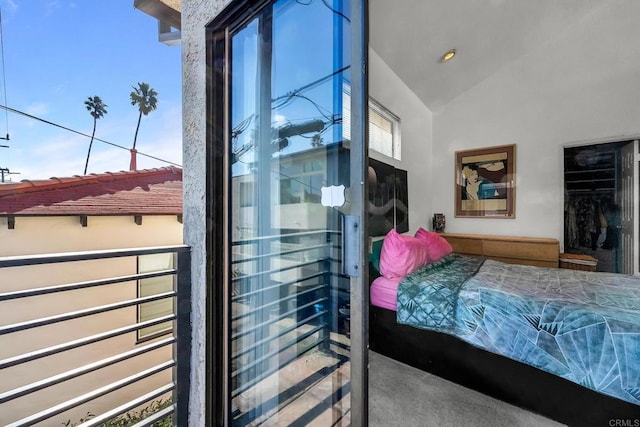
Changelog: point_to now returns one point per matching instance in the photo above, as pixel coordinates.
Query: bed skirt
(496, 376)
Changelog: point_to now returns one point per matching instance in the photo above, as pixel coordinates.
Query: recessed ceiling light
(449, 55)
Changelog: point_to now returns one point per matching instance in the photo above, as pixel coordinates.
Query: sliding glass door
(294, 305)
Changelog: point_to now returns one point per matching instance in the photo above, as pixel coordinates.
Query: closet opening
(600, 183)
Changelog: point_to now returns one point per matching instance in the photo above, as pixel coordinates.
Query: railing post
(182, 332)
(329, 308)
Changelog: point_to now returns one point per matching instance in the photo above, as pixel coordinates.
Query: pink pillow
(401, 255)
(436, 245)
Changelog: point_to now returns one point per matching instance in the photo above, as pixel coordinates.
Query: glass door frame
(218, 186)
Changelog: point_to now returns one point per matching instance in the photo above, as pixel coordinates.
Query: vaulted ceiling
(412, 35)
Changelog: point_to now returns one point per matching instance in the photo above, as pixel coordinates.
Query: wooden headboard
(540, 252)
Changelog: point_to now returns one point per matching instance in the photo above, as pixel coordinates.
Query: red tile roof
(142, 192)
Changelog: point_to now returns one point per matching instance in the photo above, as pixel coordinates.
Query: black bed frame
(496, 376)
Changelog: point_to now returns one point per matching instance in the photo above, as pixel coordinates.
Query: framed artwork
(388, 199)
(485, 182)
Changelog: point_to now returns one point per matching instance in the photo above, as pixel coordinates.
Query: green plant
(82, 420)
(133, 417)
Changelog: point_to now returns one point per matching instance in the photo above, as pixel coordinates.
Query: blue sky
(57, 53)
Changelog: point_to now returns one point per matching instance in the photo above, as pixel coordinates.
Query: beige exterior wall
(37, 235)
(40, 235)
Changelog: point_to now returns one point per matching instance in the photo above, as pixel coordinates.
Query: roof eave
(167, 12)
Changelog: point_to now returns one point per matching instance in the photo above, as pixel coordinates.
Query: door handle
(351, 245)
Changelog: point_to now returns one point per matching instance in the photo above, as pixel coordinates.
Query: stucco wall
(42, 235)
(581, 87)
(195, 16)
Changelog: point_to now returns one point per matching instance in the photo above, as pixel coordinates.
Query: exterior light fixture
(449, 55)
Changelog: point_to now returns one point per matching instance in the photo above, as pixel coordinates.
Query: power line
(337, 12)
(13, 110)
(6, 171)
(308, 86)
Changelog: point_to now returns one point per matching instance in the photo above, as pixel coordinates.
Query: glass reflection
(290, 302)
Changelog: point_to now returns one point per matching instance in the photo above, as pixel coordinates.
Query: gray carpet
(400, 395)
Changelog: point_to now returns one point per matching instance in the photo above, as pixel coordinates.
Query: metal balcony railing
(71, 352)
(70, 348)
(286, 292)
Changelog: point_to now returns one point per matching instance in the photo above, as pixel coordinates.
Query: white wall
(416, 138)
(584, 86)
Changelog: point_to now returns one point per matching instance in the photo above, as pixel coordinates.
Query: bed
(571, 352)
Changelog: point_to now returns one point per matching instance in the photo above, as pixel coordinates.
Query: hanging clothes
(586, 224)
(570, 226)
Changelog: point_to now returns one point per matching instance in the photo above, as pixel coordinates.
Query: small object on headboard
(439, 222)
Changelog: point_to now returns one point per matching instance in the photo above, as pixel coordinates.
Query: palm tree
(146, 98)
(97, 108)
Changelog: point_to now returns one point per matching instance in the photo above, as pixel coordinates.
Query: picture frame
(485, 182)
(388, 199)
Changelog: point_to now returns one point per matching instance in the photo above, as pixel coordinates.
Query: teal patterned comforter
(579, 325)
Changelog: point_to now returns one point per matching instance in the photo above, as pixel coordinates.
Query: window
(153, 286)
(384, 127)
(246, 194)
(303, 182)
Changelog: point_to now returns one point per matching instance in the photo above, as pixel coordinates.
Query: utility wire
(284, 100)
(13, 110)
(328, 6)
(308, 86)
(337, 12)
